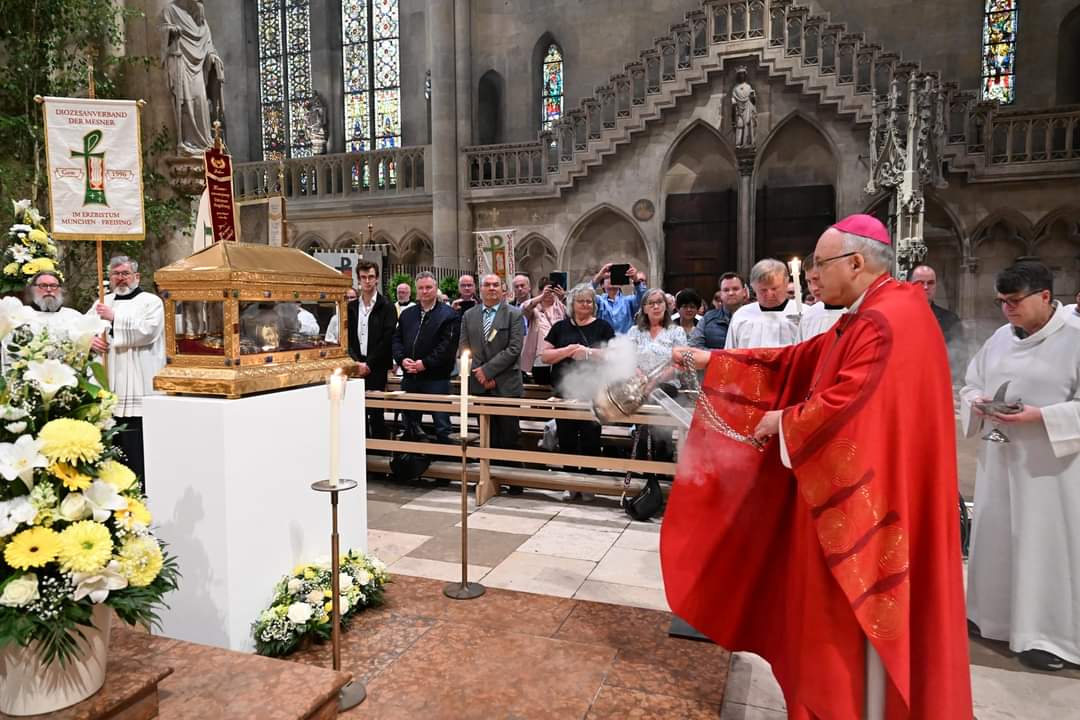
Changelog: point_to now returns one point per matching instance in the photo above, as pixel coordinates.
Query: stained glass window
(372, 74)
(999, 51)
(551, 87)
(284, 76)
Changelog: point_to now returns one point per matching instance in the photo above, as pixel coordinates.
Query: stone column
(745, 226)
(463, 77)
(969, 288)
(444, 146)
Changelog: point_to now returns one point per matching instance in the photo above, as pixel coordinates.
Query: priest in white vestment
(1024, 566)
(45, 296)
(136, 351)
(819, 317)
(769, 322)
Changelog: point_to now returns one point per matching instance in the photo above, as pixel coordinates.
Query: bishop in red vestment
(813, 518)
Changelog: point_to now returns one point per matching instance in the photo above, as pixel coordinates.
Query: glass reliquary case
(243, 318)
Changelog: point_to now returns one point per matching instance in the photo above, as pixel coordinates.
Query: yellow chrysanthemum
(72, 478)
(85, 546)
(134, 514)
(70, 441)
(140, 561)
(44, 263)
(38, 235)
(116, 474)
(11, 268)
(32, 548)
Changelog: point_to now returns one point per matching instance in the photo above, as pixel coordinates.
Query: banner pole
(91, 92)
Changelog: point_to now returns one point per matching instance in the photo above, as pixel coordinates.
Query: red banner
(219, 185)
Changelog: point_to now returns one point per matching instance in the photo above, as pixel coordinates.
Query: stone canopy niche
(604, 235)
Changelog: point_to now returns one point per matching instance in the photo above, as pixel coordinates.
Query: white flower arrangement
(29, 249)
(301, 605)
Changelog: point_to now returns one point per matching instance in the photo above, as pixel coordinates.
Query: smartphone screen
(558, 278)
(618, 274)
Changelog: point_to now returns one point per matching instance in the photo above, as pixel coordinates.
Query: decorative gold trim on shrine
(234, 274)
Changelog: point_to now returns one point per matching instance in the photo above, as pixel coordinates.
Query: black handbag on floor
(405, 466)
(650, 501)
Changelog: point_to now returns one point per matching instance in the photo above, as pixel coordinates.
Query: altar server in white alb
(819, 317)
(135, 345)
(1024, 566)
(769, 321)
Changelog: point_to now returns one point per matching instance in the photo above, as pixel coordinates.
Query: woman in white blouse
(653, 333)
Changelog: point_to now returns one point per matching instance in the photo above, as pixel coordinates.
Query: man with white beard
(136, 351)
(45, 294)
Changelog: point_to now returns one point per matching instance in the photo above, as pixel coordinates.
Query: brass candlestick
(354, 692)
(464, 590)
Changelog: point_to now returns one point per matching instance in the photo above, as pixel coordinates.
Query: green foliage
(46, 47)
(448, 285)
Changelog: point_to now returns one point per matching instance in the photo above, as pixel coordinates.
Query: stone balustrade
(1034, 136)
(377, 173)
(505, 165)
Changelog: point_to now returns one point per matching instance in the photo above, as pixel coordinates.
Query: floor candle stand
(464, 590)
(354, 692)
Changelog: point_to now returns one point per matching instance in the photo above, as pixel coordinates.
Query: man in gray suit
(494, 334)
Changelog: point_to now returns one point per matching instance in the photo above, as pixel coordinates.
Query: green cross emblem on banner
(95, 168)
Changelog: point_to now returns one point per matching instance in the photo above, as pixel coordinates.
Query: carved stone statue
(743, 110)
(195, 74)
(315, 123)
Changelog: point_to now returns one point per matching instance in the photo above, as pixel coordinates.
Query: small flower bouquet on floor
(74, 527)
(28, 249)
(301, 606)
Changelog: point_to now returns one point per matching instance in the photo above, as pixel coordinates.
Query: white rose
(363, 576)
(15, 427)
(299, 613)
(294, 585)
(315, 597)
(344, 581)
(21, 591)
(74, 507)
(344, 604)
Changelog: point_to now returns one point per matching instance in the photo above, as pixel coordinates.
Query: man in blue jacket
(612, 305)
(425, 343)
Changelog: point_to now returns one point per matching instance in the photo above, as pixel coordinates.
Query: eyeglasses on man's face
(818, 263)
(1013, 302)
(121, 273)
(47, 287)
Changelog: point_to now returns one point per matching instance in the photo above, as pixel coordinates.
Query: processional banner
(93, 154)
(495, 253)
(220, 191)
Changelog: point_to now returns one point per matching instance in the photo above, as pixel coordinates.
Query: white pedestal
(229, 483)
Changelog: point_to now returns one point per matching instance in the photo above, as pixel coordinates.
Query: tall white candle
(466, 365)
(337, 391)
(795, 265)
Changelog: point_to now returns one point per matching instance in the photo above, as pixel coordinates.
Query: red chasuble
(860, 540)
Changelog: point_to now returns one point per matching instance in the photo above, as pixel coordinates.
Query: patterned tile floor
(591, 551)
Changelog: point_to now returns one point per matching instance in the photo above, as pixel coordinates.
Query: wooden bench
(489, 473)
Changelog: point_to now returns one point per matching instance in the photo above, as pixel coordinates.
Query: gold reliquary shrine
(241, 319)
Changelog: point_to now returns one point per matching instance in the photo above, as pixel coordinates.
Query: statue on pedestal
(195, 74)
(315, 123)
(743, 110)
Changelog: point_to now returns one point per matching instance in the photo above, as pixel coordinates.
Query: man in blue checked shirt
(612, 305)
